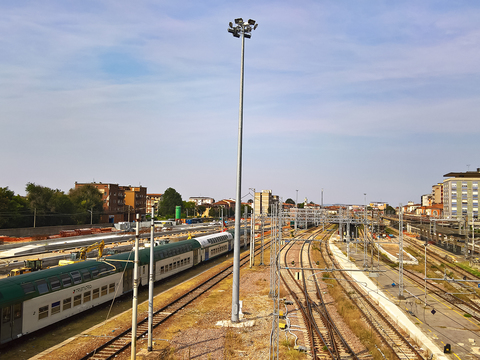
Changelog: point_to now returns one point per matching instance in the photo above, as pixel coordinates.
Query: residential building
(113, 198)
(135, 201)
(460, 194)
(263, 200)
(153, 199)
(426, 200)
(437, 193)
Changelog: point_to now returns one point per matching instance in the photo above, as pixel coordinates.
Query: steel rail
(161, 315)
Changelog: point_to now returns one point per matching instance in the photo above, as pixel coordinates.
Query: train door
(195, 257)
(206, 254)
(11, 322)
(128, 280)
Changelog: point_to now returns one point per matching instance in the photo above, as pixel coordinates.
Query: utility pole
(252, 234)
(133, 354)
(150, 282)
(34, 216)
(400, 253)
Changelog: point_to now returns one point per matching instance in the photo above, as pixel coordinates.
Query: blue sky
(354, 97)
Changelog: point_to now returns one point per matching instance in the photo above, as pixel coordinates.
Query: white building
(460, 194)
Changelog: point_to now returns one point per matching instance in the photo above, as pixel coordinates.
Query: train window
(96, 293)
(67, 304)
(181, 262)
(43, 312)
(66, 280)
(162, 255)
(111, 288)
(86, 296)
(28, 288)
(161, 270)
(77, 279)
(54, 283)
(94, 272)
(104, 290)
(6, 314)
(77, 300)
(56, 307)
(86, 274)
(42, 286)
(103, 270)
(17, 311)
(170, 267)
(175, 265)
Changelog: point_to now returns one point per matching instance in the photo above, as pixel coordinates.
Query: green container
(178, 211)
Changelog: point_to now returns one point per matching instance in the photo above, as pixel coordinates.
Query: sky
(353, 97)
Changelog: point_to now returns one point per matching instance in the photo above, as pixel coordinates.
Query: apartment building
(263, 200)
(135, 201)
(437, 193)
(460, 194)
(153, 199)
(113, 198)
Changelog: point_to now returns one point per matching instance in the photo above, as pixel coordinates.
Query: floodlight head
(251, 22)
(239, 21)
(230, 24)
(256, 25)
(236, 34)
(231, 31)
(248, 36)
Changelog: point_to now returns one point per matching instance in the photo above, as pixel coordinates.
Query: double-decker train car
(32, 301)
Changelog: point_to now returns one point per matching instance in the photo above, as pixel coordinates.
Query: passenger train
(32, 301)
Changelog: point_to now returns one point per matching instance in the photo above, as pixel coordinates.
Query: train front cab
(11, 323)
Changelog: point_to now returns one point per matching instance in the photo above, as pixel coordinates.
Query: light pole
(91, 215)
(241, 29)
(426, 244)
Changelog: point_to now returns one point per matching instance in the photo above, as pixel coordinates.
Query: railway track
(465, 305)
(122, 341)
(324, 338)
(385, 329)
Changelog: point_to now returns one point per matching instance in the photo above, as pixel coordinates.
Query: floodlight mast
(242, 29)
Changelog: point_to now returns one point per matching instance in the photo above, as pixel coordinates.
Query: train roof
(212, 239)
(13, 289)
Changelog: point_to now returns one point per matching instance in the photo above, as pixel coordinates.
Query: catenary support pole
(135, 296)
(150, 282)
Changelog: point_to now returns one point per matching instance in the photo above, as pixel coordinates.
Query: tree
(300, 205)
(52, 207)
(390, 210)
(289, 201)
(85, 199)
(14, 210)
(188, 207)
(201, 210)
(171, 199)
